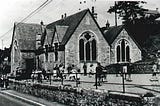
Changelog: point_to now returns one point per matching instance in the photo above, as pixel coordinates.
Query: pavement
(140, 84)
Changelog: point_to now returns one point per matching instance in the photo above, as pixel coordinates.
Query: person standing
(57, 70)
(98, 74)
(90, 70)
(154, 68)
(125, 71)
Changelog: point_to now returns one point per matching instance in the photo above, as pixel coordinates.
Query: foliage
(129, 11)
(4, 61)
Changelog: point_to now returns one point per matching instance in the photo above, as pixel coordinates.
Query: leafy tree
(4, 67)
(129, 11)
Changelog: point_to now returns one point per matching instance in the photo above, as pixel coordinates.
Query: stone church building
(73, 40)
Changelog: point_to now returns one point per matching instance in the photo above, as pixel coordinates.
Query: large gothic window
(87, 47)
(123, 51)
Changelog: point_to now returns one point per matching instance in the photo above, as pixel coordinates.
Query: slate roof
(71, 21)
(112, 33)
(26, 35)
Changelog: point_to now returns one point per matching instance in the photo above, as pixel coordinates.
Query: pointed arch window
(94, 49)
(88, 51)
(123, 51)
(87, 47)
(81, 48)
(127, 54)
(118, 53)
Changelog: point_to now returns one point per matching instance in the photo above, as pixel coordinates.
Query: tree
(4, 60)
(129, 11)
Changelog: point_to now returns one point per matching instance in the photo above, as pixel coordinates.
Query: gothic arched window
(127, 54)
(118, 53)
(94, 49)
(81, 48)
(87, 47)
(88, 51)
(123, 51)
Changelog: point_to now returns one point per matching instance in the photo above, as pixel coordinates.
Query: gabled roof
(60, 31)
(71, 21)
(47, 38)
(26, 35)
(112, 33)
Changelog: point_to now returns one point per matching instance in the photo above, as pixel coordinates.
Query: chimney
(156, 9)
(42, 26)
(41, 22)
(107, 24)
(92, 9)
(65, 15)
(62, 16)
(93, 13)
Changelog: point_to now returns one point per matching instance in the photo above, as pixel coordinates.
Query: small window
(123, 49)
(81, 48)
(118, 53)
(127, 54)
(94, 49)
(88, 51)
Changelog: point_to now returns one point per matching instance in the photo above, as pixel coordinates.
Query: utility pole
(115, 3)
(2, 44)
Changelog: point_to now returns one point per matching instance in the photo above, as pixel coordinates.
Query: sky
(15, 10)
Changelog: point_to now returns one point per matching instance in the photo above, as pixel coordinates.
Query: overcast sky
(15, 10)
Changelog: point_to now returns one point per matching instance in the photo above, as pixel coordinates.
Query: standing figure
(57, 70)
(98, 73)
(85, 69)
(125, 72)
(130, 68)
(90, 70)
(154, 69)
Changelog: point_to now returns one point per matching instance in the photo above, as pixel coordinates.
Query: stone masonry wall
(51, 63)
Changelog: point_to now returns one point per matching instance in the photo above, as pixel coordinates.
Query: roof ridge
(67, 17)
(16, 23)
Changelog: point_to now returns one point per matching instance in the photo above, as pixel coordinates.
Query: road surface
(9, 101)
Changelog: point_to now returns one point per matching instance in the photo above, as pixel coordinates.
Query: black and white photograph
(79, 53)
